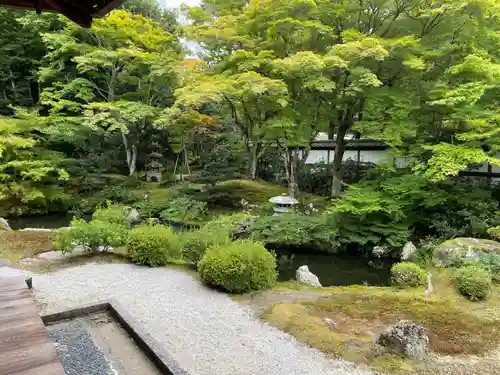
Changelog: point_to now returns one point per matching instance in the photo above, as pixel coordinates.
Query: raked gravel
(205, 331)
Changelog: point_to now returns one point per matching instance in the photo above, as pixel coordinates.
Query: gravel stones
(205, 331)
(77, 351)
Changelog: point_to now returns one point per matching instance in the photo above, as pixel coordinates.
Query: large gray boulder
(409, 249)
(465, 249)
(133, 215)
(304, 276)
(4, 225)
(406, 338)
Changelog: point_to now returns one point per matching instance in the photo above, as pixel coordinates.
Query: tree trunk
(286, 160)
(133, 162)
(253, 163)
(131, 153)
(186, 160)
(293, 187)
(338, 155)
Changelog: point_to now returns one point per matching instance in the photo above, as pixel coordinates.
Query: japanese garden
(326, 169)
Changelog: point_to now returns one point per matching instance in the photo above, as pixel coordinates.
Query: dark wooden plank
(25, 346)
(24, 359)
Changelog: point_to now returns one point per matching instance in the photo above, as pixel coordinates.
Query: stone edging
(150, 347)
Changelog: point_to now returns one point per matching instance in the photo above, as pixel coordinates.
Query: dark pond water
(335, 270)
(45, 221)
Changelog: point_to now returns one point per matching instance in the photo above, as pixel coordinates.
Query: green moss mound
(474, 282)
(407, 275)
(463, 249)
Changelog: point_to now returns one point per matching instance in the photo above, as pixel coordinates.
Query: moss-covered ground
(17, 245)
(345, 322)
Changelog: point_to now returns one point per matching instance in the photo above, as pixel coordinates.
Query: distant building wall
(365, 156)
(374, 152)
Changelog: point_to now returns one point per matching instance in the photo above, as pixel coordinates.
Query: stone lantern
(283, 203)
(154, 167)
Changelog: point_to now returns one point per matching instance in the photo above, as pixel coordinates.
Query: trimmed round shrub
(239, 267)
(473, 282)
(196, 243)
(193, 246)
(154, 245)
(407, 275)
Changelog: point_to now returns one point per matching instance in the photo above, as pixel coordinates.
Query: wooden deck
(25, 346)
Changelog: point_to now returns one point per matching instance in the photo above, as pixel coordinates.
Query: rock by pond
(335, 269)
(463, 249)
(304, 276)
(409, 249)
(4, 225)
(380, 251)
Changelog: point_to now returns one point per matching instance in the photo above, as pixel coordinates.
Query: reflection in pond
(335, 269)
(46, 221)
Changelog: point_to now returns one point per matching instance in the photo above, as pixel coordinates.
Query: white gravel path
(204, 330)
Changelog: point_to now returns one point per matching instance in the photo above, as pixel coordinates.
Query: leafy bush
(407, 275)
(239, 267)
(222, 162)
(495, 232)
(491, 261)
(216, 232)
(227, 225)
(392, 207)
(184, 209)
(154, 245)
(113, 213)
(474, 282)
(195, 243)
(94, 236)
(295, 230)
(426, 249)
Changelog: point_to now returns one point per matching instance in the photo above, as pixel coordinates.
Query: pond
(335, 269)
(43, 221)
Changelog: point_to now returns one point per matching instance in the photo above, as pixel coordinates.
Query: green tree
(116, 73)
(21, 49)
(253, 101)
(392, 69)
(27, 166)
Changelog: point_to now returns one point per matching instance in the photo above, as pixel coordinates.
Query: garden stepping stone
(30, 261)
(51, 255)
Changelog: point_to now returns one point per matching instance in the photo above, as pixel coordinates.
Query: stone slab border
(150, 347)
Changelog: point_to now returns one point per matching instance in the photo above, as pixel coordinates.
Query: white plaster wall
(317, 156)
(375, 157)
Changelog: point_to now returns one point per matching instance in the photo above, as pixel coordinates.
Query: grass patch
(230, 193)
(348, 321)
(17, 245)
